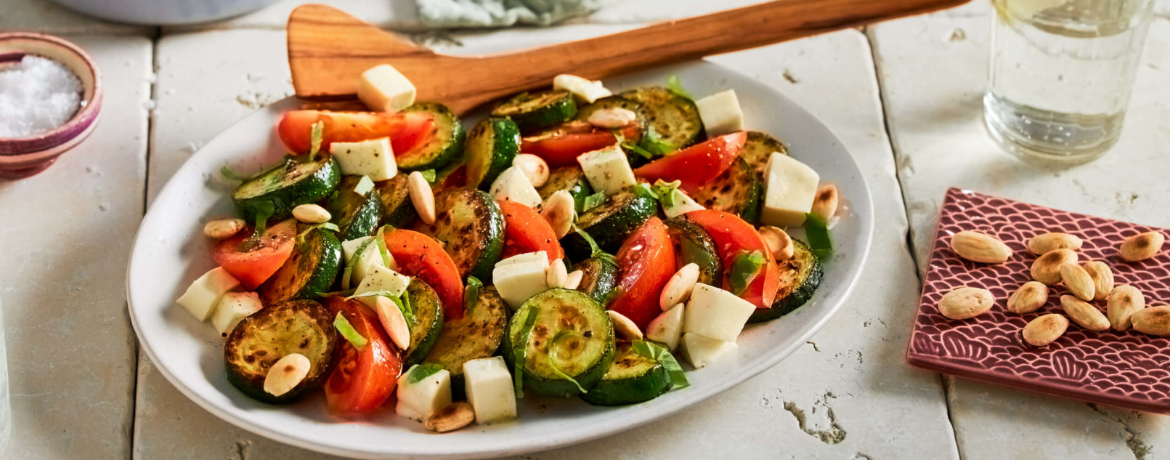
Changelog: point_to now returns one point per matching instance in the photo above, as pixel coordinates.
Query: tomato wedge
(420, 255)
(695, 165)
(733, 237)
(405, 129)
(254, 263)
(647, 261)
(528, 232)
(562, 146)
(363, 379)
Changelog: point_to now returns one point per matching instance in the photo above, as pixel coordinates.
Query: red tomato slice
(695, 165)
(363, 379)
(528, 232)
(562, 146)
(254, 264)
(454, 179)
(733, 237)
(420, 255)
(406, 130)
(647, 261)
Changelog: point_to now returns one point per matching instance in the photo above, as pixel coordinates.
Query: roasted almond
(965, 303)
(1124, 301)
(624, 327)
(286, 373)
(1083, 313)
(980, 247)
(1045, 329)
(223, 229)
(1153, 320)
(311, 214)
(450, 418)
(1028, 298)
(825, 202)
(1142, 247)
(1048, 242)
(1102, 278)
(778, 242)
(1078, 281)
(1046, 268)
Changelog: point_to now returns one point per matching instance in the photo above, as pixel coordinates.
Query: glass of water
(1061, 74)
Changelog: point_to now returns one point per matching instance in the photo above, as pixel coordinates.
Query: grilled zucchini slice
(599, 278)
(428, 320)
(534, 111)
(308, 272)
(478, 334)
(692, 244)
(470, 225)
(397, 209)
(443, 144)
(737, 190)
(354, 214)
(571, 338)
(610, 223)
(631, 379)
(674, 118)
(281, 188)
(490, 149)
(799, 278)
(278, 330)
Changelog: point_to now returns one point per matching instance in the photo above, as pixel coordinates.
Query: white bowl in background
(164, 12)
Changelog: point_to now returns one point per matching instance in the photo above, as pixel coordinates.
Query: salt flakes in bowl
(37, 95)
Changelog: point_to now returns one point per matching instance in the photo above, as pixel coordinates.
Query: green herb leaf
(429, 175)
(385, 253)
(820, 239)
(228, 173)
(346, 330)
(653, 143)
(471, 293)
(364, 186)
(643, 190)
(552, 347)
(347, 277)
(666, 191)
(520, 351)
(265, 209)
(657, 352)
(593, 201)
(642, 152)
(744, 269)
(403, 304)
(315, 137)
(421, 372)
(674, 84)
(596, 251)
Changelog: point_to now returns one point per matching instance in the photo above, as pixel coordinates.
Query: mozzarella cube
(373, 158)
(516, 281)
(790, 187)
(720, 113)
(205, 293)
(607, 169)
(420, 399)
(384, 88)
(682, 205)
(715, 313)
(585, 89)
(521, 258)
(489, 389)
(701, 351)
(233, 308)
(513, 185)
(381, 279)
(667, 327)
(369, 258)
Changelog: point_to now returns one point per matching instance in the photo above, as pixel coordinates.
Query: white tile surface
(65, 238)
(44, 16)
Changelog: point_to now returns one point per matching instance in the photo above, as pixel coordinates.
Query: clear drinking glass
(1061, 74)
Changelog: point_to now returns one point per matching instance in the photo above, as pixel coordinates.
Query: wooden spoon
(328, 49)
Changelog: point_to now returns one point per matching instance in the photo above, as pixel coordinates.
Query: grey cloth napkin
(502, 13)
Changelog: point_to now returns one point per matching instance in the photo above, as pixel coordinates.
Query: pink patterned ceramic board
(1125, 369)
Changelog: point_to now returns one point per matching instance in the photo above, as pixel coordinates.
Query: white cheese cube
(701, 351)
(384, 88)
(420, 399)
(715, 313)
(373, 158)
(489, 389)
(521, 258)
(607, 169)
(720, 113)
(517, 281)
(682, 205)
(790, 187)
(667, 327)
(205, 293)
(369, 258)
(381, 279)
(513, 185)
(585, 89)
(233, 308)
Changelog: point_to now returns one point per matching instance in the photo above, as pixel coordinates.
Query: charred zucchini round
(610, 223)
(260, 340)
(799, 278)
(599, 278)
(476, 335)
(428, 320)
(470, 225)
(737, 191)
(308, 272)
(674, 118)
(570, 344)
(443, 144)
(631, 379)
(533, 111)
(692, 244)
(568, 178)
(355, 215)
(276, 191)
(490, 149)
(397, 209)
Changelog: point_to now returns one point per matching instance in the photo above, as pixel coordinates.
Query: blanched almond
(533, 167)
(1124, 301)
(965, 303)
(557, 274)
(1084, 313)
(393, 322)
(421, 196)
(1028, 298)
(1048, 242)
(825, 202)
(1102, 278)
(1046, 268)
(624, 326)
(1045, 329)
(223, 229)
(614, 117)
(286, 373)
(679, 287)
(1141, 247)
(558, 211)
(573, 280)
(450, 418)
(1078, 281)
(1153, 320)
(778, 242)
(980, 247)
(311, 214)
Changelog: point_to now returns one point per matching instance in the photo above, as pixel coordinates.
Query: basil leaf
(638, 149)
(643, 190)
(666, 191)
(265, 210)
(421, 372)
(429, 175)
(520, 351)
(820, 239)
(471, 293)
(385, 253)
(657, 352)
(653, 143)
(594, 248)
(674, 84)
(346, 330)
(593, 201)
(552, 352)
(744, 269)
(403, 304)
(327, 226)
(347, 277)
(364, 186)
(315, 137)
(228, 173)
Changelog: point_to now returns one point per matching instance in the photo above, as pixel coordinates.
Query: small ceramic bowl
(25, 156)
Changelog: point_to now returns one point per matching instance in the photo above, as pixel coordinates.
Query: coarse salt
(36, 95)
